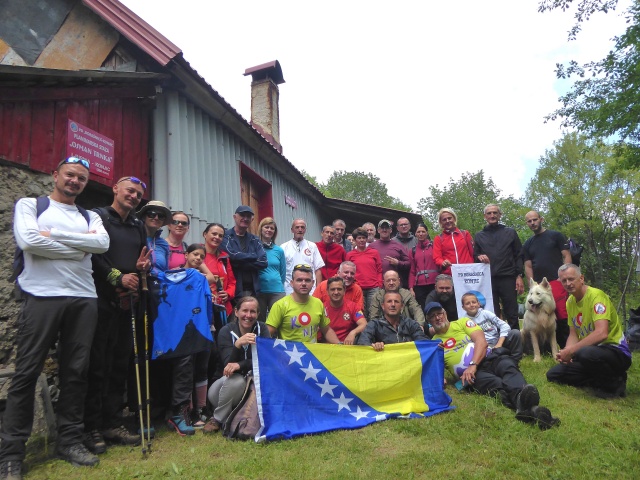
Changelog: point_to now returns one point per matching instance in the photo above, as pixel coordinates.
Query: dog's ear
(532, 283)
(545, 283)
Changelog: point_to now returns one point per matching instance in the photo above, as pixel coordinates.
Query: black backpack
(575, 249)
(42, 203)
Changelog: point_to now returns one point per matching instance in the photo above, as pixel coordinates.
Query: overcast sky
(414, 92)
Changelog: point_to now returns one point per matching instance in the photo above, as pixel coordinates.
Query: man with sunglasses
(116, 277)
(59, 303)
(480, 369)
(299, 316)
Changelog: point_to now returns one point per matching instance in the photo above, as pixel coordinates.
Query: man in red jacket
(332, 254)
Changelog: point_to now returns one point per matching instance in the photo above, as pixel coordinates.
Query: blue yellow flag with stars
(307, 388)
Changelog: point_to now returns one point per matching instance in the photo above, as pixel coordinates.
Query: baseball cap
(432, 306)
(244, 209)
(382, 222)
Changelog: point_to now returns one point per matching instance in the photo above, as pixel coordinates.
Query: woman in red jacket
(423, 272)
(452, 245)
(218, 262)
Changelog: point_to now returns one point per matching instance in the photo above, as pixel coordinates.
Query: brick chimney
(265, 95)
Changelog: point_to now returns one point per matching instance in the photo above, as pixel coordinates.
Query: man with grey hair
(445, 295)
(596, 354)
(391, 283)
(340, 227)
(353, 292)
(299, 251)
(404, 235)
(370, 228)
(500, 247)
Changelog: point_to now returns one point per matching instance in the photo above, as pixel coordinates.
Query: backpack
(42, 203)
(575, 249)
(244, 421)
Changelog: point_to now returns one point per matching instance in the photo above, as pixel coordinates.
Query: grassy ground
(480, 439)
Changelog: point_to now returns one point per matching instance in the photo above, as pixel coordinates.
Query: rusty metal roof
(134, 28)
(272, 70)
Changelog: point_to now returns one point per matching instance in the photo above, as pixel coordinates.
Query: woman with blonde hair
(452, 245)
(272, 278)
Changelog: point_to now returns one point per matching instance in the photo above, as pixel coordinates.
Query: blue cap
(432, 306)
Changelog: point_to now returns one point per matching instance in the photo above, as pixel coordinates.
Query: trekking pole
(136, 362)
(145, 289)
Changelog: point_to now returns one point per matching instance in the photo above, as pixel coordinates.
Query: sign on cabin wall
(94, 147)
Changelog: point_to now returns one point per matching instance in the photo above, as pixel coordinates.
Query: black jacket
(503, 247)
(227, 351)
(379, 330)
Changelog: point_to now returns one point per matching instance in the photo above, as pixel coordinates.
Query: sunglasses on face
(135, 180)
(154, 214)
(72, 160)
(180, 222)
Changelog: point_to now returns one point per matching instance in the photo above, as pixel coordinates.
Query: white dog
(540, 317)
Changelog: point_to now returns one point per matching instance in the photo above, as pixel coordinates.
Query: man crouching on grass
(493, 373)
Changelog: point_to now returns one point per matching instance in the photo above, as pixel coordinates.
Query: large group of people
(94, 280)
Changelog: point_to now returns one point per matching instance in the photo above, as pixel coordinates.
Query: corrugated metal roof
(134, 28)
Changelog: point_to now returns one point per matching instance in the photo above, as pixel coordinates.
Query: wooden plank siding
(34, 134)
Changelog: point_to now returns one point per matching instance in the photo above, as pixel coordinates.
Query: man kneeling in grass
(467, 357)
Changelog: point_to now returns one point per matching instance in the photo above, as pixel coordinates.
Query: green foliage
(361, 187)
(311, 179)
(468, 196)
(584, 10)
(585, 193)
(480, 439)
(605, 100)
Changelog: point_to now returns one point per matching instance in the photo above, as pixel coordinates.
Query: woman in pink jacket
(452, 245)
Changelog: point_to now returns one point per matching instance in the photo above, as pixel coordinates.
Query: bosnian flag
(306, 388)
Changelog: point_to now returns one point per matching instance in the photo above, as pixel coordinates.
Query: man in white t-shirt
(57, 239)
(298, 251)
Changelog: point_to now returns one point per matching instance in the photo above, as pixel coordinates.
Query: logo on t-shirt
(599, 308)
(346, 316)
(304, 319)
(471, 323)
(450, 342)
(307, 252)
(579, 319)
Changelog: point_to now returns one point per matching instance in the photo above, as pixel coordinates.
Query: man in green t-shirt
(299, 316)
(596, 354)
(495, 373)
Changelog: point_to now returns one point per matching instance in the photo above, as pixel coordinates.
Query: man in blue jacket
(245, 251)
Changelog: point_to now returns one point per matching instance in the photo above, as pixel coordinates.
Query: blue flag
(306, 388)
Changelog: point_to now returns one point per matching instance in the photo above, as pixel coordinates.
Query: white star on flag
(360, 414)
(295, 356)
(310, 372)
(381, 417)
(279, 341)
(326, 387)
(343, 402)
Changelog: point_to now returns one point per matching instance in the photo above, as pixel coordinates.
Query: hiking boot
(528, 398)
(181, 422)
(543, 418)
(617, 389)
(11, 470)
(94, 441)
(198, 418)
(121, 436)
(212, 426)
(77, 454)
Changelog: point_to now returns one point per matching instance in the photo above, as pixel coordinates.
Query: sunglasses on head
(154, 214)
(135, 180)
(180, 222)
(302, 267)
(72, 160)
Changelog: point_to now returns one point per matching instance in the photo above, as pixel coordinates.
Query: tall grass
(480, 439)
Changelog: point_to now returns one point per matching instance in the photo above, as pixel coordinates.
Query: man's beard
(444, 297)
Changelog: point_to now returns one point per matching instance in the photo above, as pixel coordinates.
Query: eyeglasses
(135, 180)
(302, 267)
(81, 161)
(180, 222)
(404, 225)
(154, 214)
(435, 315)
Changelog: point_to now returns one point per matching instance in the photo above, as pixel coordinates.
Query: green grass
(480, 439)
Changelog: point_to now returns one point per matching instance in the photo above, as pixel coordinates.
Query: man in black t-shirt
(543, 254)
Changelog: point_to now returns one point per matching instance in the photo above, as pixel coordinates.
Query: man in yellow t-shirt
(485, 371)
(299, 316)
(596, 354)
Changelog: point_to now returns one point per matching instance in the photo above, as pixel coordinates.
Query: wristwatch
(473, 363)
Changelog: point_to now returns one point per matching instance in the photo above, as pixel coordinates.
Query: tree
(361, 187)
(468, 196)
(604, 100)
(583, 192)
